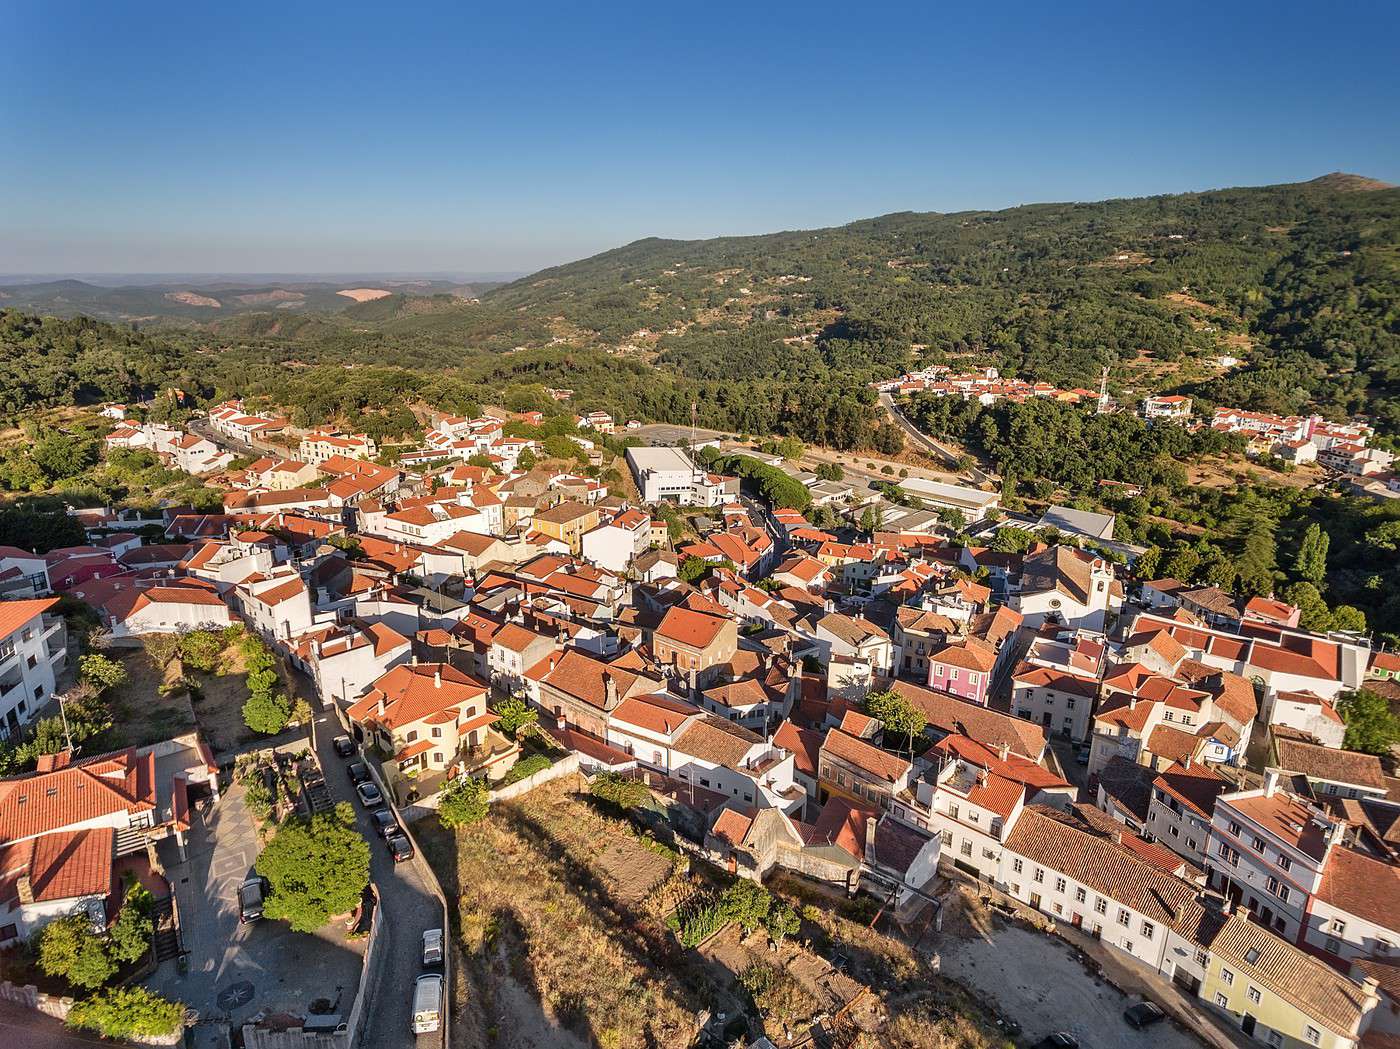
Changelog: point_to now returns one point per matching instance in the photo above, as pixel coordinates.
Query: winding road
(928, 444)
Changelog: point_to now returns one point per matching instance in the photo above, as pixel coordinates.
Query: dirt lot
(141, 713)
(1040, 981)
(562, 940)
(144, 715)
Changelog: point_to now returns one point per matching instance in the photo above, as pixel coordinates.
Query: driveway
(409, 906)
(238, 970)
(1037, 980)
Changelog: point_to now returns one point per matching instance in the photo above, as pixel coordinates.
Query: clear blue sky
(294, 137)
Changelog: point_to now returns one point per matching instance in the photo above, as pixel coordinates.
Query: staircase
(167, 934)
(129, 840)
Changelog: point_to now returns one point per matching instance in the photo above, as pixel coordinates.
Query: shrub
(515, 715)
(130, 935)
(464, 803)
(782, 921)
(101, 672)
(622, 791)
(526, 768)
(126, 1012)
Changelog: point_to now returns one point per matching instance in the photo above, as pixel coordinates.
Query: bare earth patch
(365, 294)
(190, 298)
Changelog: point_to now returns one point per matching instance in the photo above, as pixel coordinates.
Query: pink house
(963, 668)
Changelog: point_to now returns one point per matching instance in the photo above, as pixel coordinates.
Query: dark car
(1144, 1014)
(358, 771)
(399, 847)
(384, 822)
(370, 797)
(250, 899)
(1058, 1040)
(344, 746)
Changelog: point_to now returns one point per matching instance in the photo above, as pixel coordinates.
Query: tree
(515, 714)
(1385, 536)
(69, 947)
(1311, 562)
(101, 672)
(897, 714)
(130, 935)
(464, 803)
(1371, 727)
(201, 650)
(747, 903)
(316, 868)
(692, 568)
(1348, 618)
(526, 460)
(1313, 613)
(830, 471)
(127, 1012)
(267, 712)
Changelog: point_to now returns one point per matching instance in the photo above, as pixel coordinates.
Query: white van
(427, 1003)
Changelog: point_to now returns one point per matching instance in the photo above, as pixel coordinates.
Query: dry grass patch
(542, 910)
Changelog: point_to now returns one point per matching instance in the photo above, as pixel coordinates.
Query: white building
(33, 649)
(670, 475)
(1066, 586)
(320, 445)
(615, 543)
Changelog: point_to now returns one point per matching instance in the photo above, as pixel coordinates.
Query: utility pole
(1103, 391)
(63, 714)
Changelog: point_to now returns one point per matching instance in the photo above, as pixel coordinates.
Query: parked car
(384, 822)
(1058, 1040)
(344, 746)
(358, 771)
(251, 895)
(1144, 1014)
(1081, 755)
(399, 847)
(369, 795)
(427, 1003)
(432, 948)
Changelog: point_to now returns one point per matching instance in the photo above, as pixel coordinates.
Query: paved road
(926, 442)
(409, 907)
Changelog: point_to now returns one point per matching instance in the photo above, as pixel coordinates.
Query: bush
(101, 672)
(526, 768)
(464, 803)
(130, 935)
(623, 792)
(126, 1012)
(515, 715)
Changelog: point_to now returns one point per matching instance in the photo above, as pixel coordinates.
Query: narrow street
(923, 440)
(409, 906)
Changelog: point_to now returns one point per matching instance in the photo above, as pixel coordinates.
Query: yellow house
(1280, 995)
(567, 521)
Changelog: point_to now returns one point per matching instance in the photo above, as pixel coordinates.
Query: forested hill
(782, 333)
(1301, 281)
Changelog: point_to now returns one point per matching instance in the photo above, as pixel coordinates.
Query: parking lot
(237, 970)
(1036, 980)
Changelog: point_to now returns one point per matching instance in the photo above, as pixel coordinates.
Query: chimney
(437, 676)
(609, 690)
(1186, 764)
(1270, 783)
(1004, 750)
(870, 823)
(25, 888)
(1132, 702)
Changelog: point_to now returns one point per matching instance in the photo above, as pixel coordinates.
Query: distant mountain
(204, 302)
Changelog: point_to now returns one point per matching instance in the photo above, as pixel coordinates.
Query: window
(1017, 865)
(1333, 947)
(966, 847)
(1272, 883)
(1339, 927)
(412, 735)
(1221, 1000)
(1259, 845)
(1254, 994)
(1080, 895)
(1100, 906)
(1059, 885)
(1202, 958)
(1273, 1038)
(953, 809)
(437, 732)
(1234, 828)
(1039, 875)
(947, 839)
(1148, 929)
(988, 854)
(1128, 945)
(1284, 863)
(1227, 976)
(1313, 1034)
(953, 674)
(1124, 917)
(1283, 893)
(1222, 850)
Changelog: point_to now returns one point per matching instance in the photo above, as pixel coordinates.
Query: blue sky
(295, 137)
